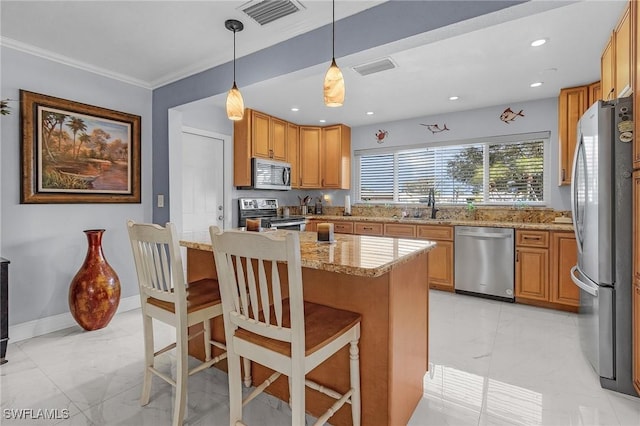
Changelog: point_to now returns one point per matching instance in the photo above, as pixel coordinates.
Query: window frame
(544, 136)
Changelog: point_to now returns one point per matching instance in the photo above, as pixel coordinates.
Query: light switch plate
(160, 200)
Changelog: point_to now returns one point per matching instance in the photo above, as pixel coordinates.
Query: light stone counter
(360, 255)
(549, 226)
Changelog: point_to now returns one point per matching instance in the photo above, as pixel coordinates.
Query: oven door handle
(279, 224)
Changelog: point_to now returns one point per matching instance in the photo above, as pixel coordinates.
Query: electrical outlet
(160, 200)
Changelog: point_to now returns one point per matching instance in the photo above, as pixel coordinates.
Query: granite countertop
(350, 254)
(552, 226)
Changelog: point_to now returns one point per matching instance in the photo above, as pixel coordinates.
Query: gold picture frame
(77, 153)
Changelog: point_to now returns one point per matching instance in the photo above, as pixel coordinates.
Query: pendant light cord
(333, 31)
(234, 56)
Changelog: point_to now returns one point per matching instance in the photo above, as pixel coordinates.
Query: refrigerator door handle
(589, 288)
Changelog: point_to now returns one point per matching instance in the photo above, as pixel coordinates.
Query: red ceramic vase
(94, 293)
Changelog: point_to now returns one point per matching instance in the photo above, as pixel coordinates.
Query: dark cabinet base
(4, 308)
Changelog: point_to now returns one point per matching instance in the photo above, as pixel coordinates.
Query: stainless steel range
(267, 210)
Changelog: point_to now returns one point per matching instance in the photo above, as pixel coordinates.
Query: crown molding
(65, 60)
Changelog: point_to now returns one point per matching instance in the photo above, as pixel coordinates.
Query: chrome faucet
(431, 202)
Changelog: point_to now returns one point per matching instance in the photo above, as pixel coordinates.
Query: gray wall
(45, 242)
(541, 115)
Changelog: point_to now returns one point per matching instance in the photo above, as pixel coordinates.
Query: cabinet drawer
(399, 230)
(368, 228)
(532, 238)
(343, 227)
(435, 232)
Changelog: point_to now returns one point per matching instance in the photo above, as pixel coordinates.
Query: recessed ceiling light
(295, 109)
(369, 112)
(539, 42)
(536, 84)
(453, 98)
(323, 121)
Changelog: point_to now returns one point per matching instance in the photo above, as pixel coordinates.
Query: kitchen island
(383, 279)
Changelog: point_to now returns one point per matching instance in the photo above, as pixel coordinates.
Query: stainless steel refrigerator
(601, 191)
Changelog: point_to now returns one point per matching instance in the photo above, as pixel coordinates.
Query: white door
(202, 182)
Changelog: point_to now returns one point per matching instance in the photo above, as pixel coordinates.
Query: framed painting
(78, 153)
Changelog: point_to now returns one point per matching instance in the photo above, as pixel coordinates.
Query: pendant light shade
(235, 104)
(333, 79)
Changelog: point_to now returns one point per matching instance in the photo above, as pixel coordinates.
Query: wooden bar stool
(280, 331)
(166, 297)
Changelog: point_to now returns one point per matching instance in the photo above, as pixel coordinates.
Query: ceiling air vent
(267, 11)
(375, 66)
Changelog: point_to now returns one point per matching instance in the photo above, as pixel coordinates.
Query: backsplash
(480, 213)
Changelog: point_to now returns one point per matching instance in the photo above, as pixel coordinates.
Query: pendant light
(333, 80)
(235, 104)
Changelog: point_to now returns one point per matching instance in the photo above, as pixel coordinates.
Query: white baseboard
(29, 329)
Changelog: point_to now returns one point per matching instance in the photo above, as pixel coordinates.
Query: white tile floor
(493, 364)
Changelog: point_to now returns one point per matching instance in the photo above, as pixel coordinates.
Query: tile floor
(493, 363)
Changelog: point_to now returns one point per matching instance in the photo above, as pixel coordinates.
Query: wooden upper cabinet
(635, 72)
(622, 55)
(564, 256)
(595, 92)
(310, 152)
(260, 131)
(572, 103)
(293, 153)
(607, 70)
(336, 157)
(278, 132)
(268, 137)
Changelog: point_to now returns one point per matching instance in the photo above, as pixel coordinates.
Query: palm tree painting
(83, 153)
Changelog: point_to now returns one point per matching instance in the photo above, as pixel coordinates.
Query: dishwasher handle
(589, 288)
(487, 235)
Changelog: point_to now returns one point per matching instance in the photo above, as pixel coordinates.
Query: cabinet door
(310, 157)
(312, 225)
(636, 336)
(260, 135)
(622, 55)
(331, 158)
(532, 273)
(607, 71)
(595, 92)
(293, 153)
(564, 256)
(572, 103)
(278, 142)
(441, 266)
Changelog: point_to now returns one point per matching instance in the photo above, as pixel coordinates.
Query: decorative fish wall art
(380, 135)
(435, 128)
(508, 115)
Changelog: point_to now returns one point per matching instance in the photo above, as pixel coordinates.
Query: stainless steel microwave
(269, 174)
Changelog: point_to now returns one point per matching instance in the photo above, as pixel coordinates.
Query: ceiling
(485, 61)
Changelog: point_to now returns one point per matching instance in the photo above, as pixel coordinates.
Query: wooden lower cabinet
(543, 269)
(368, 228)
(532, 273)
(441, 266)
(564, 256)
(399, 230)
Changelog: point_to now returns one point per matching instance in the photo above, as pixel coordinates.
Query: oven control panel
(258, 203)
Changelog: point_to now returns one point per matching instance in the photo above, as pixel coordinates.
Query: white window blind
(487, 172)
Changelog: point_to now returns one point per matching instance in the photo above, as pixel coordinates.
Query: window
(504, 169)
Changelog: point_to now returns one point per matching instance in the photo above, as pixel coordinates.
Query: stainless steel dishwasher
(484, 262)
